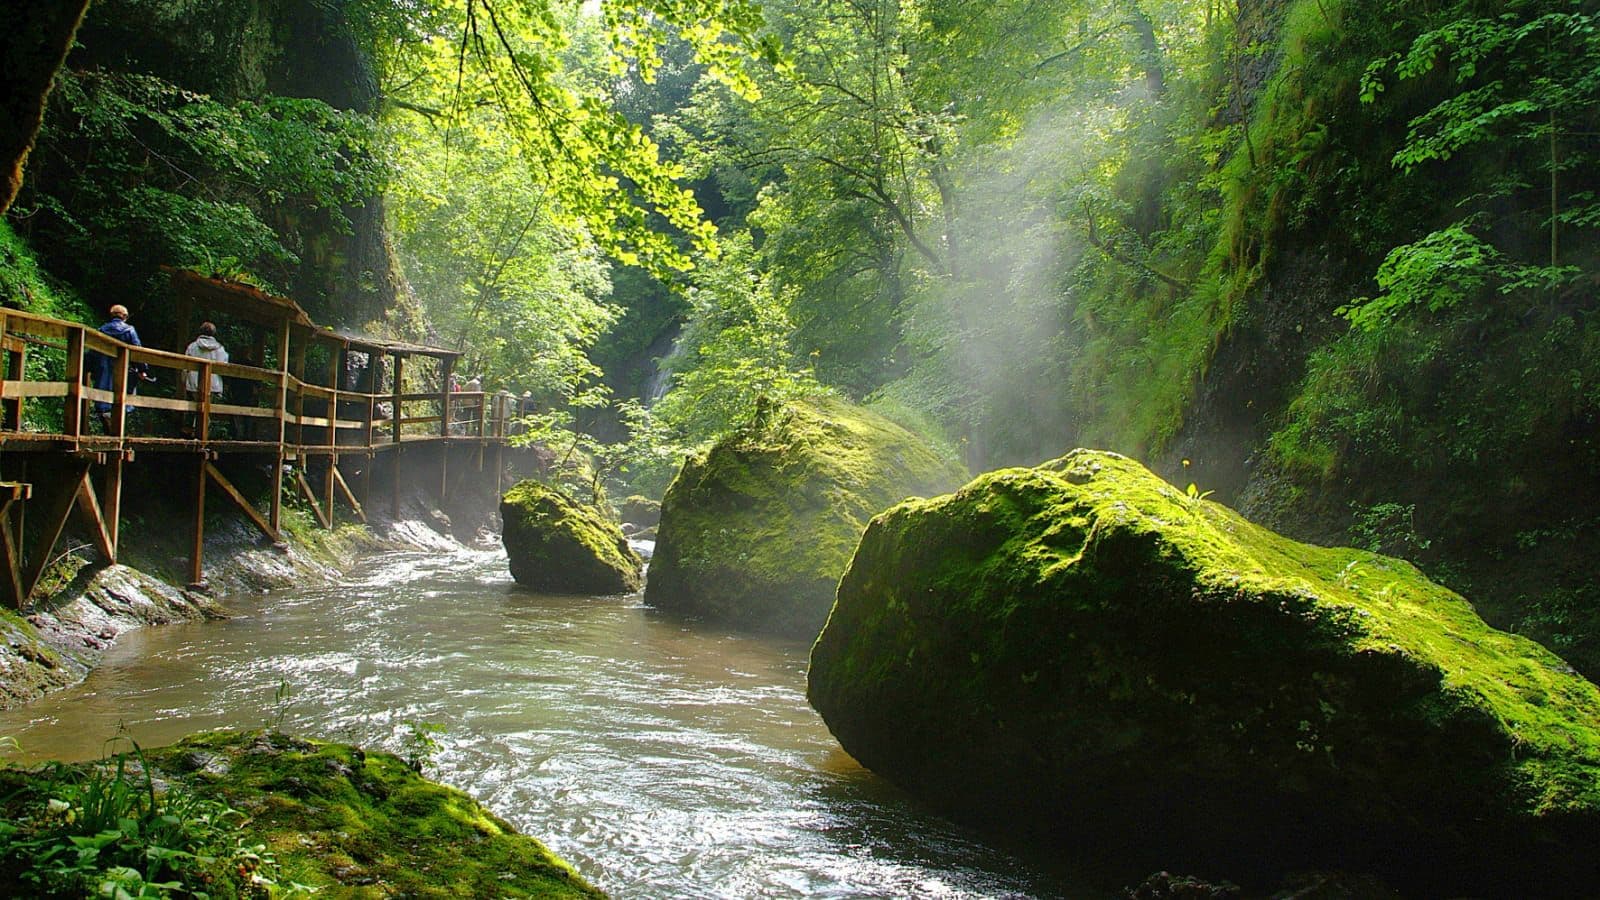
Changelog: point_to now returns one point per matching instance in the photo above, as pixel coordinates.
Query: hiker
(205, 346)
(119, 329)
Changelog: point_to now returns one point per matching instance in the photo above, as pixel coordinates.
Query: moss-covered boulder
(556, 544)
(1082, 645)
(340, 820)
(641, 511)
(756, 532)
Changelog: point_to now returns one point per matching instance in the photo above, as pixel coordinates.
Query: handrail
(484, 414)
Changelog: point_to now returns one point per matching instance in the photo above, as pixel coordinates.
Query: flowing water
(661, 759)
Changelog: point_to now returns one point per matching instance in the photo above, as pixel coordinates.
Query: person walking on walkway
(205, 346)
(117, 328)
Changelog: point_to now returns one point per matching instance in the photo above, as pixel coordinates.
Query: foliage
(421, 744)
(142, 169)
(24, 285)
(1389, 528)
(1446, 268)
(497, 274)
(734, 350)
(106, 830)
(509, 57)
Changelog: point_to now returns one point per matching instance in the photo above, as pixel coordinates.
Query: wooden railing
(281, 410)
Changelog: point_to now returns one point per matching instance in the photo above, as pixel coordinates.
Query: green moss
(355, 823)
(641, 511)
(1084, 641)
(556, 544)
(757, 531)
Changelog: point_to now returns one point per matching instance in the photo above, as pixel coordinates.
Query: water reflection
(662, 760)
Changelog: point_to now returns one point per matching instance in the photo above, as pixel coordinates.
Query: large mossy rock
(556, 544)
(756, 532)
(1084, 647)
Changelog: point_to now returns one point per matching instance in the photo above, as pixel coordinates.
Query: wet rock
(1083, 644)
(1167, 886)
(756, 532)
(556, 544)
(58, 644)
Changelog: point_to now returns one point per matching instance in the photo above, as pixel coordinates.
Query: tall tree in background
(37, 38)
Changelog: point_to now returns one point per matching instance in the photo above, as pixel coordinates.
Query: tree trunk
(1148, 52)
(37, 37)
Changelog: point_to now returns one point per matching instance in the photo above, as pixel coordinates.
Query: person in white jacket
(206, 346)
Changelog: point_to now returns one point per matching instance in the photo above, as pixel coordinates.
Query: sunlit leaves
(1443, 270)
(600, 171)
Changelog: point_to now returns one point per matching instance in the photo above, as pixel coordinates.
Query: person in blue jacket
(117, 328)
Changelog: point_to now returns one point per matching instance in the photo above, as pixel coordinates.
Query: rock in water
(1084, 647)
(757, 531)
(641, 511)
(555, 544)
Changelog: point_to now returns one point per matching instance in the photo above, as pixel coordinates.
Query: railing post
(398, 390)
(446, 366)
(119, 392)
(483, 411)
(16, 370)
(203, 425)
(73, 419)
(5, 404)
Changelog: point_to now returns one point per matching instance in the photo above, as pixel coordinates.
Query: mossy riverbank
(311, 817)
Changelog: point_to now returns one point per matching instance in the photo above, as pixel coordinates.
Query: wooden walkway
(357, 406)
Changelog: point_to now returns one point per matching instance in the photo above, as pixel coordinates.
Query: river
(661, 759)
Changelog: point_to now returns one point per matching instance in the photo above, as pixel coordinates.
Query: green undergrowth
(252, 814)
(24, 284)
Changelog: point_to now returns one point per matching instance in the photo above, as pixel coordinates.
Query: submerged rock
(1084, 646)
(555, 544)
(342, 821)
(756, 532)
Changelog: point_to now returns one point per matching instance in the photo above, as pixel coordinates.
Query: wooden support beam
(185, 317)
(327, 486)
(114, 502)
(394, 482)
(344, 488)
(233, 493)
(55, 520)
(311, 496)
(11, 591)
(89, 505)
(275, 513)
(197, 554)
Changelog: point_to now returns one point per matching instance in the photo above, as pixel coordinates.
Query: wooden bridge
(310, 399)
